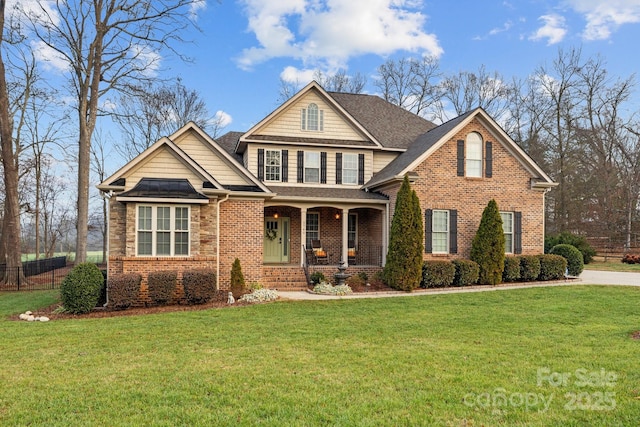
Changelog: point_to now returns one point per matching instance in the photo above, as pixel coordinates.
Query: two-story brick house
(322, 168)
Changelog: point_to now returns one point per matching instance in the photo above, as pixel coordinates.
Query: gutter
(226, 197)
(107, 196)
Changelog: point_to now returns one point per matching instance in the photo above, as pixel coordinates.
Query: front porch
(292, 277)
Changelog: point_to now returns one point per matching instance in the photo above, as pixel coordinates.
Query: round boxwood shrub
(511, 272)
(529, 267)
(437, 274)
(575, 263)
(565, 237)
(199, 285)
(467, 272)
(80, 290)
(552, 267)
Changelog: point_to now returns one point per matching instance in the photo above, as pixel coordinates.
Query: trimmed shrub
(80, 289)
(317, 277)
(403, 269)
(487, 248)
(161, 285)
(466, 272)
(356, 281)
(238, 287)
(437, 274)
(631, 259)
(529, 268)
(199, 285)
(511, 272)
(575, 263)
(579, 242)
(123, 290)
(552, 267)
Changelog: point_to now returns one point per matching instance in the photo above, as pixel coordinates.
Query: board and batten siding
(162, 164)
(210, 160)
(288, 122)
(252, 156)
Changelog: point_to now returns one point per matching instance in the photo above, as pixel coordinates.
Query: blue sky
(246, 46)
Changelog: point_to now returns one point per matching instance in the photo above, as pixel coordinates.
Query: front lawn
(612, 265)
(541, 356)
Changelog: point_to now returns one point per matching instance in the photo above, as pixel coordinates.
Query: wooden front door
(276, 240)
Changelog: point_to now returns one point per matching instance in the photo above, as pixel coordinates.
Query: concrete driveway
(592, 277)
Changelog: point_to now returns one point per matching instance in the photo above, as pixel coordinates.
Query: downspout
(107, 196)
(226, 197)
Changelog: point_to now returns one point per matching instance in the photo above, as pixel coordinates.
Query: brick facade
(439, 187)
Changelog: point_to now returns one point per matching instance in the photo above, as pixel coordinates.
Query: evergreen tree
(487, 248)
(237, 279)
(403, 269)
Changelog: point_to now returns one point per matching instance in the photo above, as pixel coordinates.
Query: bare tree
(108, 45)
(150, 112)
(99, 155)
(337, 82)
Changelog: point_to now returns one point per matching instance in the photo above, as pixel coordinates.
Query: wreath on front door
(271, 233)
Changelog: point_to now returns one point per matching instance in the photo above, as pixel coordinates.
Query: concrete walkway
(588, 277)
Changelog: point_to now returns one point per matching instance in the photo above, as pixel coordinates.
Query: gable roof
(228, 142)
(392, 126)
(429, 142)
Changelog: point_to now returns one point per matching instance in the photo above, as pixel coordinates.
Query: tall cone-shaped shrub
(403, 269)
(487, 248)
(237, 279)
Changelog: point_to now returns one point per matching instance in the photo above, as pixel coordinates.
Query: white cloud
(222, 119)
(147, 60)
(329, 32)
(554, 29)
(604, 17)
(296, 76)
(495, 31)
(51, 59)
(196, 7)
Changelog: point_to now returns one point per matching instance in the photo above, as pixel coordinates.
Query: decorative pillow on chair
(352, 253)
(320, 252)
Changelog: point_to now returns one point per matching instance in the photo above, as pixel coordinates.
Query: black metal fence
(33, 275)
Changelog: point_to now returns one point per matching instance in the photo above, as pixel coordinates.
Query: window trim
(355, 170)
(511, 233)
(266, 165)
(467, 158)
(447, 232)
(355, 231)
(306, 119)
(306, 166)
(154, 230)
(306, 231)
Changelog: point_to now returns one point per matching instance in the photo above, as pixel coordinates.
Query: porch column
(303, 234)
(345, 236)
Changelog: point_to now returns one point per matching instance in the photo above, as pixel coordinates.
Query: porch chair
(318, 252)
(351, 252)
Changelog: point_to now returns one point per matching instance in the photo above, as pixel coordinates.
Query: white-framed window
(349, 168)
(473, 155)
(507, 227)
(162, 230)
(313, 227)
(440, 232)
(352, 228)
(311, 166)
(272, 165)
(312, 118)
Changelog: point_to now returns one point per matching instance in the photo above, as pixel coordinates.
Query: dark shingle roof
(228, 142)
(164, 188)
(415, 150)
(310, 141)
(326, 194)
(391, 125)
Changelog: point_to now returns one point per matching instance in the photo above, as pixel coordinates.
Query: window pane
(507, 226)
(272, 165)
(350, 169)
(311, 167)
(440, 242)
(163, 218)
(313, 227)
(144, 217)
(312, 119)
(182, 243)
(352, 227)
(144, 243)
(182, 219)
(473, 155)
(163, 243)
(440, 231)
(440, 221)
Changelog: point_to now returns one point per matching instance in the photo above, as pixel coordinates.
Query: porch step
(290, 278)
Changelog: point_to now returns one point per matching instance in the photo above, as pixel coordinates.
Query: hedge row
(462, 272)
(200, 286)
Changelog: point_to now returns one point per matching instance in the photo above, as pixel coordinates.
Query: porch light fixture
(275, 215)
(337, 215)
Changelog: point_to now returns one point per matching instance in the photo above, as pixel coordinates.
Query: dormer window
(312, 118)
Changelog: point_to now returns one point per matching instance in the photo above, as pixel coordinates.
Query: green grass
(390, 361)
(612, 265)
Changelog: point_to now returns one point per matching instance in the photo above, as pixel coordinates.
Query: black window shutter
(360, 169)
(338, 168)
(460, 157)
(300, 166)
(488, 172)
(453, 231)
(428, 247)
(517, 232)
(323, 167)
(261, 164)
(285, 165)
